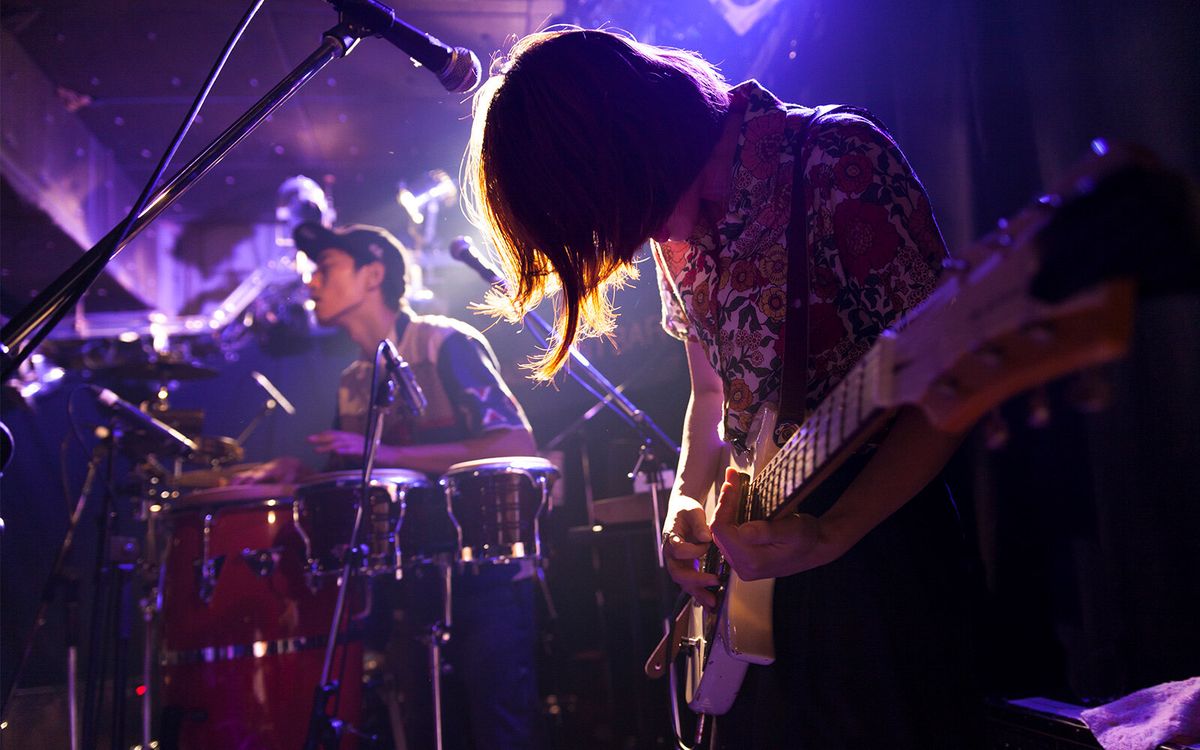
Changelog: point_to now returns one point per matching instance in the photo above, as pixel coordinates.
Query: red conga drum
(244, 626)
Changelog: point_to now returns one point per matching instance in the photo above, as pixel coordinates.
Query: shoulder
(441, 328)
(845, 131)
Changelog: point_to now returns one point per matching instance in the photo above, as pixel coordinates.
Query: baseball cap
(362, 242)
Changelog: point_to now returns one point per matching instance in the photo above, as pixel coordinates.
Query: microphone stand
(324, 730)
(650, 464)
(62, 294)
(594, 382)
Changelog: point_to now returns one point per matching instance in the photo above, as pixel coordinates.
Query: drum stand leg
(439, 634)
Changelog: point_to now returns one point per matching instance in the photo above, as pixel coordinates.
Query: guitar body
(722, 646)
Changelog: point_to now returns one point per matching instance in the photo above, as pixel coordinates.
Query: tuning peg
(995, 431)
(1090, 392)
(1039, 408)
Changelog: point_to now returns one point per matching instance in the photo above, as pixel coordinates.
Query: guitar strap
(793, 389)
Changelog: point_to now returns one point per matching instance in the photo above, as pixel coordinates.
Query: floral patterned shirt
(875, 252)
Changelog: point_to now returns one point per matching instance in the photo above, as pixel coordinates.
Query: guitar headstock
(1038, 298)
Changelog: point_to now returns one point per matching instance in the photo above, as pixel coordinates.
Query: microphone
(411, 393)
(464, 251)
(164, 437)
(457, 68)
(274, 392)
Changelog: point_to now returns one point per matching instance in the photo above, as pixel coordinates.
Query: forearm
(910, 456)
(701, 448)
(436, 458)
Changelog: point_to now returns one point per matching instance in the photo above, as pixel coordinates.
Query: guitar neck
(852, 411)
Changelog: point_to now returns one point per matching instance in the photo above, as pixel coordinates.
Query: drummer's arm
(436, 458)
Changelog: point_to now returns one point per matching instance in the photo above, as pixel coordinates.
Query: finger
(694, 583)
(757, 532)
(694, 526)
(686, 575)
(727, 500)
(678, 549)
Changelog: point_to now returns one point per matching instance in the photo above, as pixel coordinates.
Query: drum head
(351, 478)
(515, 464)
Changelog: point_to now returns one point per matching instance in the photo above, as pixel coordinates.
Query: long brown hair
(582, 144)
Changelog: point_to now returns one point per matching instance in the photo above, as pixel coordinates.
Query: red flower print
(853, 173)
(773, 303)
(700, 299)
(777, 205)
(821, 178)
(866, 240)
(763, 142)
(743, 275)
(923, 229)
(824, 283)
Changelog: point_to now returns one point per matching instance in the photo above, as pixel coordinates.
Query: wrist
(833, 536)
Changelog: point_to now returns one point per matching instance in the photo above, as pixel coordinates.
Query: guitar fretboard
(853, 404)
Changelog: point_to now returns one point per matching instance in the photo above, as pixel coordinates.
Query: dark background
(1086, 527)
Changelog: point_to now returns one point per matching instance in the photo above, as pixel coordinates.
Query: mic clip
(404, 381)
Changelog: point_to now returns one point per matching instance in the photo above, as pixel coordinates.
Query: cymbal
(157, 371)
(217, 450)
(209, 478)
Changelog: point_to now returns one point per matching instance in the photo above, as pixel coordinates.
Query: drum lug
(208, 571)
(262, 561)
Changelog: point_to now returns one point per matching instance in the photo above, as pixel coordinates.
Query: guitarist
(588, 144)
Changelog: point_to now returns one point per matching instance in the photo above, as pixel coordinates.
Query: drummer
(359, 284)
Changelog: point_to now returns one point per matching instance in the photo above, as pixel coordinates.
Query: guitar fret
(810, 453)
(821, 437)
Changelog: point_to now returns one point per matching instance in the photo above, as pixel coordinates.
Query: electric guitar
(981, 337)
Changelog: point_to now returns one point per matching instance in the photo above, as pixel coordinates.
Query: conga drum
(244, 624)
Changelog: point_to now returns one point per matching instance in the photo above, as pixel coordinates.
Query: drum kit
(243, 582)
(250, 575)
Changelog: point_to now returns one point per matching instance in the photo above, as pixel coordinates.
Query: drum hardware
(435, 640)
(208, 568)
(262, 561)
(275, 400)
(117, 564)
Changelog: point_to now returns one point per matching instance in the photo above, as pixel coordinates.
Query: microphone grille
(462, 72)
(461, 248)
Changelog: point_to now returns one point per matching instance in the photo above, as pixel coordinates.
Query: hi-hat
(157, 371)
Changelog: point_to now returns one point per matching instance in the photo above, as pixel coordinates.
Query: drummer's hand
(686, 538)
(338, 443)
(283, 470)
